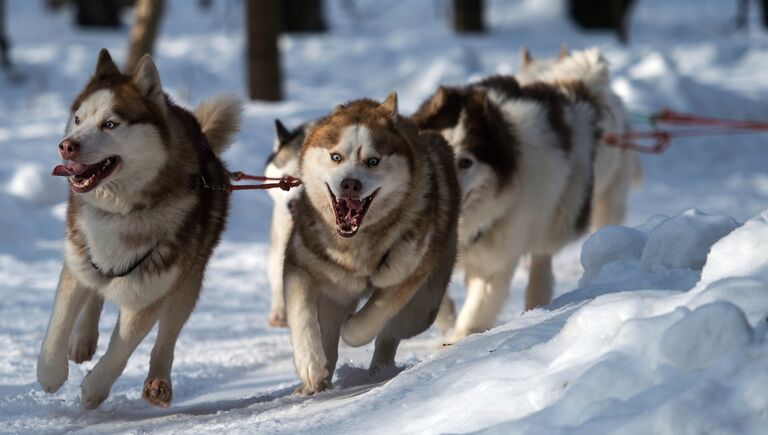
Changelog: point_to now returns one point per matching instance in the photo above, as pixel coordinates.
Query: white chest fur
(116, 243)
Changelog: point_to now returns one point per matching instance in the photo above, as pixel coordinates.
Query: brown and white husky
(378, 215)
(146, 210)
(524, 158)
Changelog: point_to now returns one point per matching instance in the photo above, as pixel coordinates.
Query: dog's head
(483, 147)
(356, 166)
(116, 140)
(284, 161)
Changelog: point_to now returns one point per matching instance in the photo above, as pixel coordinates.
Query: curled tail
(219, 119)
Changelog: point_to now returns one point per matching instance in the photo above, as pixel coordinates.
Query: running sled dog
(378, 215)
(284, 161)
(524, 156)
(143, 218)
(616, 169)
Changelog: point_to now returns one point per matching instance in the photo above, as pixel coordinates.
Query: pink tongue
(354, 204)
(68, 169)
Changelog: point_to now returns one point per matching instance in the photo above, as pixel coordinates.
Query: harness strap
(110, 274)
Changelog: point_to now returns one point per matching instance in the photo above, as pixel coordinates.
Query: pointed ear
(478, 100)
(282, 134)
(147, 79)
(525, 58)
(564, 51)
(105, 66)
(390, 105)
(440, 98)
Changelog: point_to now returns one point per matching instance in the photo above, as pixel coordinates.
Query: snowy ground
(654, 334)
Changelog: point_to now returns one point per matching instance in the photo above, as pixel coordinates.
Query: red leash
(662, 138)
(286, 183)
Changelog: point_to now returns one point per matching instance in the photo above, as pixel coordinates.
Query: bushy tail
(219, 118)
(588, 66)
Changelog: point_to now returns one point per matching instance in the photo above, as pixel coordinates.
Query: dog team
(479, 177)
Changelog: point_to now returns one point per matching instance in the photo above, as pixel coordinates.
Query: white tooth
(107, 163)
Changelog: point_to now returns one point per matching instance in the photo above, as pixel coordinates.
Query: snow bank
(655, 360)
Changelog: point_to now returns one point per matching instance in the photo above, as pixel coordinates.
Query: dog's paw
(158, 392)
(313, 374)
(52, 372)
(277, 319)
(93, 391)
(309, 390)
(82, 347)
(355, 333)
(455, 336)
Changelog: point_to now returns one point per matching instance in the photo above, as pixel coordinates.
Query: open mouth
(349, 213)
(84, 178)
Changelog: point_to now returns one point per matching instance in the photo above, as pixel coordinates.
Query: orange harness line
(703, 126)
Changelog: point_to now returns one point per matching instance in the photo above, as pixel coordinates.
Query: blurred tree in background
(5, 56)
(263, 18)
(146, 22)
(602, 14)
(468, 16)
(98, 13)
(303, 16)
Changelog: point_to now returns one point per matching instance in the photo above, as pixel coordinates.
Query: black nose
(351, 188)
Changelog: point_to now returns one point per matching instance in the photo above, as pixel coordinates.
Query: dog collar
(110, 274)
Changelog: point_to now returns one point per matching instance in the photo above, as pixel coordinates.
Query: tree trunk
(263, 18)
(468, 16)
(303, 16)
(146, 22)
(764, 15)
(602, 14)
(5, 58)
(98, 13)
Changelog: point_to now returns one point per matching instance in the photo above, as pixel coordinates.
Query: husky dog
(378, 215)
(146, 209)
(524, 158)
(283, 161)
(616, 169)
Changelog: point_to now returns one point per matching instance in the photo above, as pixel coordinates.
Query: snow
(658, 326)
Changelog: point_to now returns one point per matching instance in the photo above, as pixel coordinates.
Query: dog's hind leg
(486, 294)
(132, 326)
(540, 282)
(83, 342)
(52, 366)
(414, 318)
(176, 309)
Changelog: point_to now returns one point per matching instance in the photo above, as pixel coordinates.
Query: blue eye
(336, 157)
(373, 161)
(109, 125)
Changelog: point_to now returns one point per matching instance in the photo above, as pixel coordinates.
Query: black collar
(111, 274)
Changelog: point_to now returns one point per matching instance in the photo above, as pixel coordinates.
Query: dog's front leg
(158, 389)
(132, 326)
(52, 365)
(365, 325)
(540, 282)
(83, 342)
(306, 337)
(486, 294)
